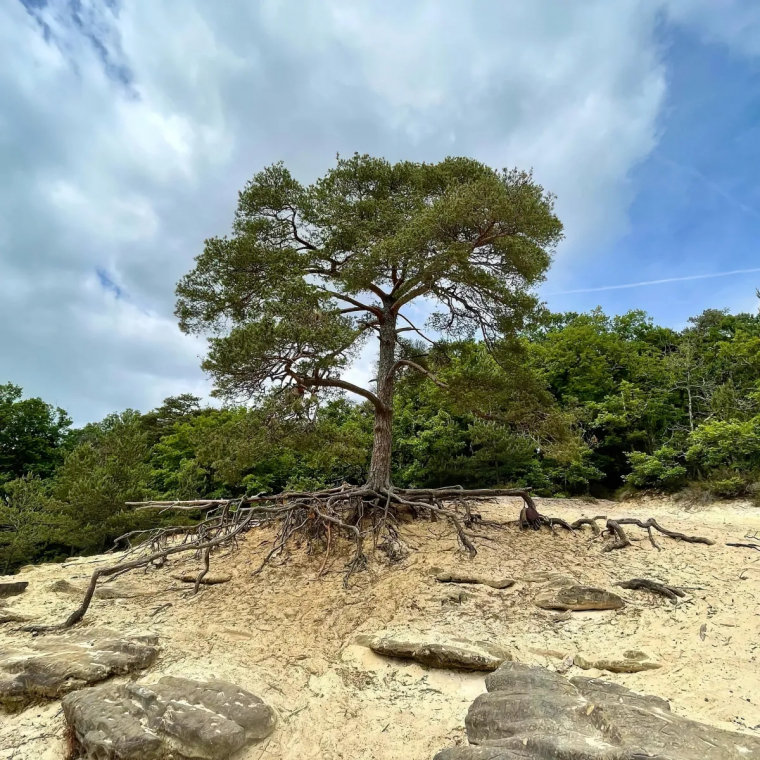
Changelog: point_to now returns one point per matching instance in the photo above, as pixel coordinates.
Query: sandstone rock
(12, 589)
(109, 591)
(454, 577)
(451, 654)
(549, 578)
(208, 580)
(579, 598)
(49, 667)
(627, 664)
(207, 720)
(531, 713)
(13, 617)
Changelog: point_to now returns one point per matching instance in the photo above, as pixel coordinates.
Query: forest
(588, 405)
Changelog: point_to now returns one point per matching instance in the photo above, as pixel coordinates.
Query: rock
(13, 617)
(115, 591)
(208, 580)
(207, 720)
(454, 577)
(548, 578)
(532, 712)
(632, 662)
(51, 666)
(451, 654)
(579, 598)
(12, 589)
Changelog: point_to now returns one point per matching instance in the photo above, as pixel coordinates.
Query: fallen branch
(643, 584)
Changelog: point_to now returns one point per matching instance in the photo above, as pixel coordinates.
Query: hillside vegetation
(579, 404)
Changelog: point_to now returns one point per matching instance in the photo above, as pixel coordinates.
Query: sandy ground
(289, 636)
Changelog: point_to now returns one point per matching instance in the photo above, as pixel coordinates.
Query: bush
(659, 470)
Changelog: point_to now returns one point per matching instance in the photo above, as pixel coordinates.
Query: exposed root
(530, 517)
(672, 593)
(591, 522)
(318, 517)
(614, 527)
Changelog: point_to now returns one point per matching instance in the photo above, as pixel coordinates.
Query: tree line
(576, 404)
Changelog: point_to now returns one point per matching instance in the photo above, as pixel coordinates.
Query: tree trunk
(382, 445)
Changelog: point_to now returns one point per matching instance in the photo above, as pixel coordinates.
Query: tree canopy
(311, 272)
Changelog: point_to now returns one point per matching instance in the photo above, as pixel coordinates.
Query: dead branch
(672, 593)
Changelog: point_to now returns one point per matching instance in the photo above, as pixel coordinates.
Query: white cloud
(735, 23)
(125, 136)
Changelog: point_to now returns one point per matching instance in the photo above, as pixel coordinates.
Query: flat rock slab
(454, 577)
(448, 654)
(532, 712)
(548, 578)
(176, 717)
(578, 598)
(208, 580)
(630, 662)
(12, 589)
(107, 591)
(51, 666)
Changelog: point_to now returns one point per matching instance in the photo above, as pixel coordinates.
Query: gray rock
(115, 591)
(207, 720)
(549, 578)
(452, 654)
(579, 598)
(12, 589)
(49, 667)
(454, 577)
(631, 662)
(532, 713)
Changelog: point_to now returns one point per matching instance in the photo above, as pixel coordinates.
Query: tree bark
(382, 445)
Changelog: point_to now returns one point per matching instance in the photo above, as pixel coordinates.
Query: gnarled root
(530, 517)
(319, 517)
(615, 527)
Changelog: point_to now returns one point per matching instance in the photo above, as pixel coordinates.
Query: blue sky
(696, 203)
(128, 127)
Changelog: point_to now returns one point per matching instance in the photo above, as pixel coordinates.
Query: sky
(127, 127)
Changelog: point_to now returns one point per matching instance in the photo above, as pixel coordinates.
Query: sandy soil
(290, 637)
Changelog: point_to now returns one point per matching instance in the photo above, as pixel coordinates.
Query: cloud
(735, 23)
(127, 130)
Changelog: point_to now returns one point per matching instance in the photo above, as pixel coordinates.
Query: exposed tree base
(364, 515)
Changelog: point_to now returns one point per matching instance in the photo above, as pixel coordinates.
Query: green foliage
(31, 521)
(108, 467)
(32, 435)
(660, 470)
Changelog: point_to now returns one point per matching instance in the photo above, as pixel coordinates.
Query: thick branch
(408, 363)
(327, 382)
(410, 296)
(378, 312)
